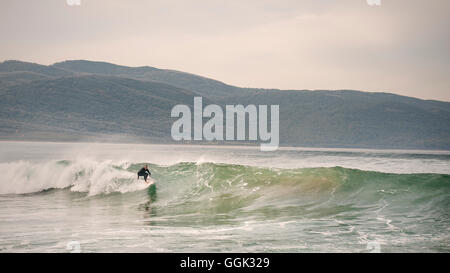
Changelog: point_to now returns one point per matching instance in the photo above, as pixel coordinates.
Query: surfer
(144, 172)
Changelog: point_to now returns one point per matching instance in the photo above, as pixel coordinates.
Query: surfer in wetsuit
(144, 172)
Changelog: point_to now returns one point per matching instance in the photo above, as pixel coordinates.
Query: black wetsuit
(144, 172)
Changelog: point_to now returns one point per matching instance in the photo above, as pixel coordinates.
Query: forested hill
(73, 100)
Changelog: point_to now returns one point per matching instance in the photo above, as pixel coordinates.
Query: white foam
(81, 175)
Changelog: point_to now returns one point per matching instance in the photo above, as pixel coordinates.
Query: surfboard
(149, 182)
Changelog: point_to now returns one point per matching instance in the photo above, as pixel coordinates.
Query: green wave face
(221, 193)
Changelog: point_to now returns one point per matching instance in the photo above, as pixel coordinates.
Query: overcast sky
(402, 46)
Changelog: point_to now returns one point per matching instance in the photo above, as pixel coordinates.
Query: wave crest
(84, 175)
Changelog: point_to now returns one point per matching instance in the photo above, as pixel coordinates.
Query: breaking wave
(230, 187)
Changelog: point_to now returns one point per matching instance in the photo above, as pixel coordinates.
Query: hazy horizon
(400, 47)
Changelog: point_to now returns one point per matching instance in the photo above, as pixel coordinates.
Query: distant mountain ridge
(18, 66)
(204, 86)
(74, 99)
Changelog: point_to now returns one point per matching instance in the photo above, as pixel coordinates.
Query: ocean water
(81, 197)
